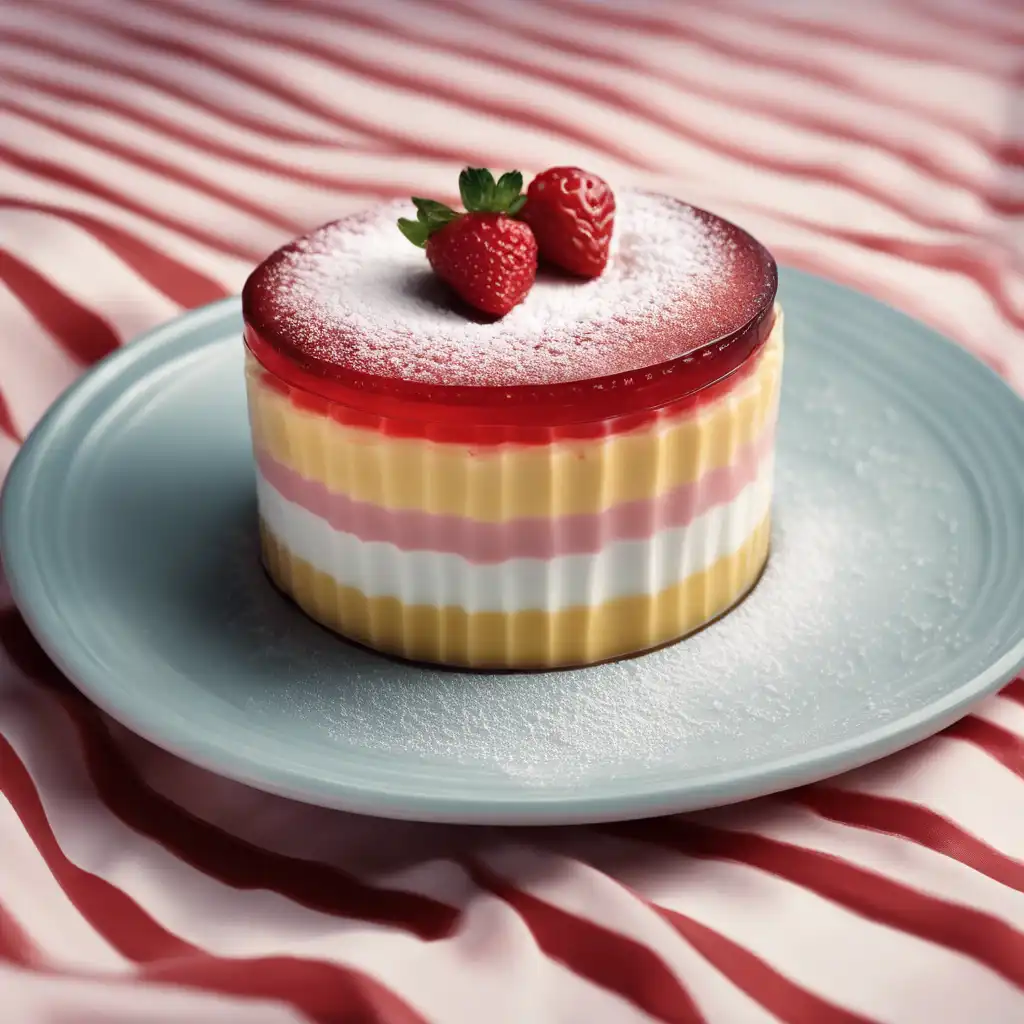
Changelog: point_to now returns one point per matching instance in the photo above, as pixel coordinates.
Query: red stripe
(607, 959)
(764, 106)
(69, 178)
(993, 362)
(1010, 152)
(1014, 691)
(963, 23)
(197, 98)
(567, 128)
(180, 283)
(81, 96)
(996, 741)
(230, 197)
(456, 94)
(971, 932)
(780, 996)
(15, 946)
(83, 334)
(916, 824)
(7, 425)
(737, 48)
(323, 991)
(209, 849)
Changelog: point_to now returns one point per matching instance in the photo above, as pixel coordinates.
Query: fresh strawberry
(489, 259)
(486, 257)
(572, 213)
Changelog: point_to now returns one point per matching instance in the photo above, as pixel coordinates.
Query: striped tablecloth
(150, 152)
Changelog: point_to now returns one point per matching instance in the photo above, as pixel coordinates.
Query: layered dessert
(585, 477)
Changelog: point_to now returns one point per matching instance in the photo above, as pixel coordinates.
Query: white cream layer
(622, 569)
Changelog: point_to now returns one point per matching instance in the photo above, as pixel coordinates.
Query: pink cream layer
(489, 542)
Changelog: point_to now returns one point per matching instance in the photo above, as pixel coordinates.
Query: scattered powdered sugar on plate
(356, 293)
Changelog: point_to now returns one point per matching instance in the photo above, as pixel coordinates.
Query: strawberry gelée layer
(351, 317)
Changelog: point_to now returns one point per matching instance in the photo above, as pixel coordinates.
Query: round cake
(587, 477)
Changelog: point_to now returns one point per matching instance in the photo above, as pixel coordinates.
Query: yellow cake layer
(523, 639)
(496, 484)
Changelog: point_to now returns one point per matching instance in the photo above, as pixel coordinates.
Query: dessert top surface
(354, 295)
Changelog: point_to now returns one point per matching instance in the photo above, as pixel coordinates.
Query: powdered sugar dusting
(355, 293)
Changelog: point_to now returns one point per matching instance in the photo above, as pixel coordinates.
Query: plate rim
(714, 787)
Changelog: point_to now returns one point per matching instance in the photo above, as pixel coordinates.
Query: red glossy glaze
(655, 365)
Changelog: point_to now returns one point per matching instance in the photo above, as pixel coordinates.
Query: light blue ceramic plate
(893, 601)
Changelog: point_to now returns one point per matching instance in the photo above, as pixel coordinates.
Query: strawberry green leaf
(481, 194)
(516, 205)
(417, 231)
(477, 188)
(433, 213)
(507, 191)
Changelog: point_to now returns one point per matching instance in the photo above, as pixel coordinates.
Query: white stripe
(1007, 714)
(36, 998)
(622, 569)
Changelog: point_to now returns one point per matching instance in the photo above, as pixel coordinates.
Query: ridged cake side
(533, 556)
